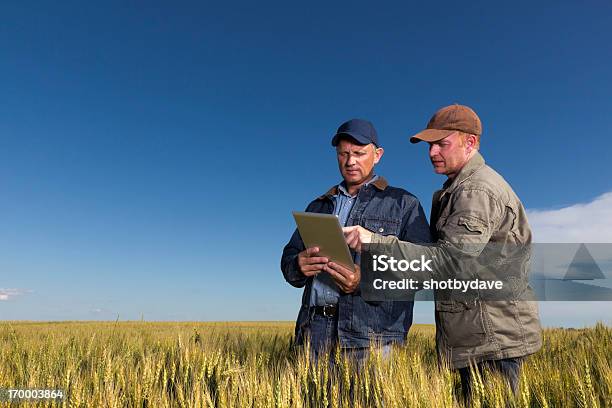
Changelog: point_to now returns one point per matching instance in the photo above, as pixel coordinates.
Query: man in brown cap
(475, 214)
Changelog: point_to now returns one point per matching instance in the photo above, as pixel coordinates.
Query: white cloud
(587, 222)
(7, 294)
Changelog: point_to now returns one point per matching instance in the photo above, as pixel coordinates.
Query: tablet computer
(324, 231)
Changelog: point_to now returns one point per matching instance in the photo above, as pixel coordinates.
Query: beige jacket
(473, 213)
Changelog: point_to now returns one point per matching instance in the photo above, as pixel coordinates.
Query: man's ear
(378, 154)
(470, 143)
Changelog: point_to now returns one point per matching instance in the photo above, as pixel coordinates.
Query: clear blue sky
(151, 153)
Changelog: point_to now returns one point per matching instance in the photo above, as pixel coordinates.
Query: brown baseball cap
(448, 120)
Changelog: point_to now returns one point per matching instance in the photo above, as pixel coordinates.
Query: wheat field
(251, 364)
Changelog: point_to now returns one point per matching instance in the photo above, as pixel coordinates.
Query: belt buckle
(331, 309)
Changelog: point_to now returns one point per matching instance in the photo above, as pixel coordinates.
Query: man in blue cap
(333, 311)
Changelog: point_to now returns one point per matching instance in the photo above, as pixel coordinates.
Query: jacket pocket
(381, 318)
(390, 318)
(382, 226)
(461, 323)
(472, 224)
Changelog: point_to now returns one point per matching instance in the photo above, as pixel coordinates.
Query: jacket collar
(380, 183)
(474, 164)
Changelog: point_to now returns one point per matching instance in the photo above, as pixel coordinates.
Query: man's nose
(350, 161)
(433, 150)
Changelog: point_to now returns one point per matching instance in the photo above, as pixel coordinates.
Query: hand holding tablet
(310, 262)
(324, 232)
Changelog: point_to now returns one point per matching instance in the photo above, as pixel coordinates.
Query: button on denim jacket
(385, 210)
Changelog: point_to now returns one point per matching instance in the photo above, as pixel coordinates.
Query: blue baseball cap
(359, 129)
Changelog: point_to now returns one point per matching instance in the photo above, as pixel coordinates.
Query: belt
(327, 310)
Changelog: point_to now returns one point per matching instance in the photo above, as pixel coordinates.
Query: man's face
(356, 162)
(450, 154)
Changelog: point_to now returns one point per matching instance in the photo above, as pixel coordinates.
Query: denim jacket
(387, 211)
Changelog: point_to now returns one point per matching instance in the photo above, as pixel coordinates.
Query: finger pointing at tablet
(357, 235)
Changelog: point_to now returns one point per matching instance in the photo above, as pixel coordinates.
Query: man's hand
(309, 263)
(347, 280)
(357, 235)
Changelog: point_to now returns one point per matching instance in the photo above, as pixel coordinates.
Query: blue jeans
(323, 332)
(509, 368)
